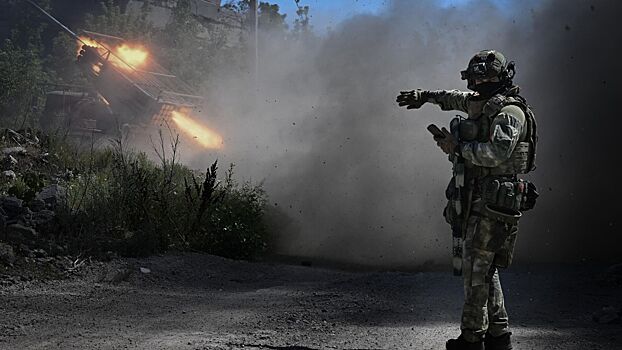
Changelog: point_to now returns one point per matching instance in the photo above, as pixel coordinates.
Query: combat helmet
(493, 68)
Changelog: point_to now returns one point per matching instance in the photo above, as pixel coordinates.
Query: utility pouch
(531, 195)
(505, 255)
(517, 195)
(502, 231)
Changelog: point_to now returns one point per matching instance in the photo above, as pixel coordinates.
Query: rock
(12, 206)
(36, 205)
(24, 249)
(615, 270)
(120, 276)
(20, 233)
(6, 254)
(607, 315)
(40, 253)
(9, 174)
(14, 150)
(43, 217)
(614, 274)
(52, 194)
(56, 249)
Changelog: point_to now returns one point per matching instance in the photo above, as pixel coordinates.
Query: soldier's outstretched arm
(505, 131)
(447, 99)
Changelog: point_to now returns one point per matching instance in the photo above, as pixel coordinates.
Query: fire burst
(134, 56)
(203, 135)
(124, 56)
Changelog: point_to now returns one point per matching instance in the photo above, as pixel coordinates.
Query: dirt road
(205, 302)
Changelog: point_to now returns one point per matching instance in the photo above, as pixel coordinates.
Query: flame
(127, 57)
(86, 41)
(134, 56)
(192, 128)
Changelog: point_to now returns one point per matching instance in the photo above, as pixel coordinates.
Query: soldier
(489, 148)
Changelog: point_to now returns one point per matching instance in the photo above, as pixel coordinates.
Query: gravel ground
(196, 301)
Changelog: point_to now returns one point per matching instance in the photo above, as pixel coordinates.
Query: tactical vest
(477, 127)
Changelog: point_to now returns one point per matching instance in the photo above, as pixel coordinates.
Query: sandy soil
(204, 302)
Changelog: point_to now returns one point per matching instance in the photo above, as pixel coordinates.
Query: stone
(11, 202)
(615, 270)
(20, 234)
(12, 206)
(7, 255)
(607, 315)
(40, 253)
(14, 150)
(9, 174)
(52, 194)
(43, 217)
(36, 205)
(118, 276)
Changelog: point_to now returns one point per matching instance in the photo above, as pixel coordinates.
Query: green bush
(122, 201)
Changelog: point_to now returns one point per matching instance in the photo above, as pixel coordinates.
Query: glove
(412, 99)
(448, 143)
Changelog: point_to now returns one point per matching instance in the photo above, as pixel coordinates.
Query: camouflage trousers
(488, 244)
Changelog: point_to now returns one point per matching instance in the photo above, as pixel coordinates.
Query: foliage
(301, 23)
(113, 21)
(61, 61)
(187, 47)
(22, 83)
(27, 25)
(119, 200)
(270, 19)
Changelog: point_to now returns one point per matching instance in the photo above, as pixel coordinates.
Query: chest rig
(477, 128)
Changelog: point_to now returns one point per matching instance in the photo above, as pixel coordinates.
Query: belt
(505, 215)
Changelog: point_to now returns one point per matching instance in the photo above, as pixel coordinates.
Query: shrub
(122, 201)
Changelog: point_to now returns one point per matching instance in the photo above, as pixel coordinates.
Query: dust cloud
(353, 178)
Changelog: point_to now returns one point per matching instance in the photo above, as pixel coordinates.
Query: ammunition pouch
(468, 130)
(516, 195)
(503, 203)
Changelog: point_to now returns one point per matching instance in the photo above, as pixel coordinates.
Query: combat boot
(461, 344)
(502, 342)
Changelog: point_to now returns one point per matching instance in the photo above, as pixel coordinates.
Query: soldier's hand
(448, 142)
(411, 99)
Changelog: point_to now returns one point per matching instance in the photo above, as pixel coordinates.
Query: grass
(120, 200)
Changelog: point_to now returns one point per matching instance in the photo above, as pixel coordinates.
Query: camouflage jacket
(500, 146)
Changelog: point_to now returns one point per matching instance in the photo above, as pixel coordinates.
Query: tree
(113, 21)
(61, 61)
(301, 23)
(27, 24)
(22, 83)
(270, 19)
(188, 47)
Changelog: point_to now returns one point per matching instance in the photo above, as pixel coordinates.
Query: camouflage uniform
(488, 241)
(496, 142)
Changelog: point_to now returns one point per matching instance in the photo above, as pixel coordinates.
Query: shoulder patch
(494, 105)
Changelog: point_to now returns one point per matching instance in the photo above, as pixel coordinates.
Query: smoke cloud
(353, 178)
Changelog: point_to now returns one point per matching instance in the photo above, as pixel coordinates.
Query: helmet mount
(488, 72)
